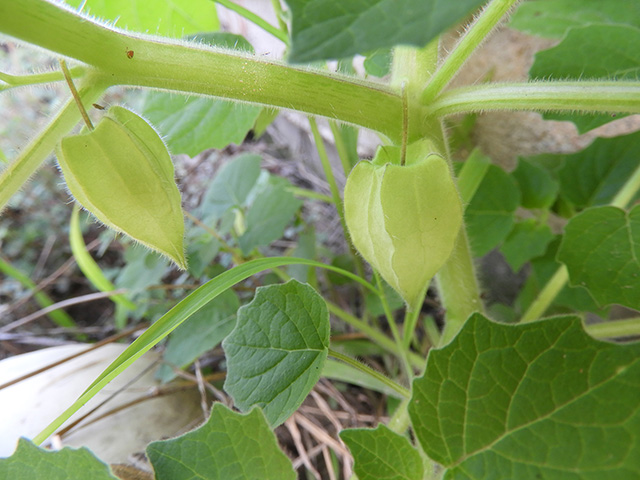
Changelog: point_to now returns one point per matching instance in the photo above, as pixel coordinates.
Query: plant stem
(341, 148)
(402, 349)
(74, 94)
(628, 191)
(410, 322)
(277, 8)
(473, 37)
(256, 19)
(335, 193)
(376, 336)
(14, 176)
(371, 372)
(550, 291)
(36, 78)
(312, 194)
(458, 288)
(137, 60)
(328, 171)
(615, 328)
(373, 334)
(587, 96)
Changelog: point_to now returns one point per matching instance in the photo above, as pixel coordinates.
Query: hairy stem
(403, 351)
(587, 96)
(12, 81)
(483, 25)
(458, 288)
(144, 61)
(615, 328)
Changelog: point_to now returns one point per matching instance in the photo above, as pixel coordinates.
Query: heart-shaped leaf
(276, 352)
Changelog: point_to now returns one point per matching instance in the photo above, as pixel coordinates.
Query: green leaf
(542, 269)
(230, 446)
(270, 212)
(323, 29)
(537, 186)
(202, 248)
(122, 173)
(231, 186)
(206, 329)
(142, 269)
(194, 124)
(374, 303)
(552, 18)
(472, 173)
(601, 249)
(162, 17)
(489, 215)
(527, 240)
(276, 352)
(381, 454)
(593, 51)
(33, 463)
(306, 248)
(595, 175)
(378, 62)
(541, 400)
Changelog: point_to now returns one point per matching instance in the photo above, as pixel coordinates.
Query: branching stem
(485, 22)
